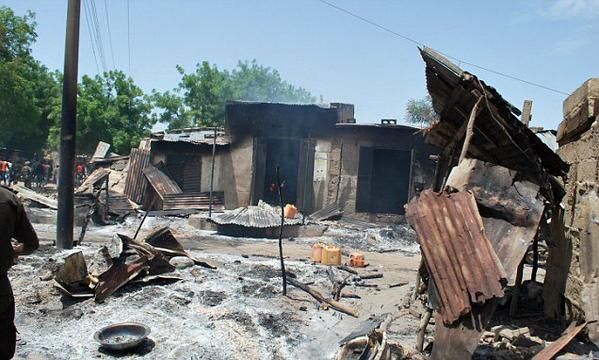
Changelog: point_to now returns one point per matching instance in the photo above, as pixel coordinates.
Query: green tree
(28, 88)
(172, 110)
(205, 91)
(421, 112)
(110, 108)
(253, 82)
(204, 94)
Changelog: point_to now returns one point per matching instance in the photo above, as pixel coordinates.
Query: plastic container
(331, 255)
(290, 211)
(356, 260)
(317, 252)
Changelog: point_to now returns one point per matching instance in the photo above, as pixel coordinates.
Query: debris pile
(124, 260)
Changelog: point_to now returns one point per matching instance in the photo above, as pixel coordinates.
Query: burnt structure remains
(496, 174)
(325, 158)
(572, 280)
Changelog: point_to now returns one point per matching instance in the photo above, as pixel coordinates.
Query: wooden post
(68, 130)
(280, 190)
(516, 289)
(426, 317)
(107, 194)
(470, 129)
(339, 175)
(526, 112)
(535, 258)
(212, 174)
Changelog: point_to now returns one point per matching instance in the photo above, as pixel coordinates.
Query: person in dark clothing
(14, 224)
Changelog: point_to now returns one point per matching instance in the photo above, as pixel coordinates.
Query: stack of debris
(495, 180)
(122, 261)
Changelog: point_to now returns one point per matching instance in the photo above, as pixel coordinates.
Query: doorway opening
(286, 154)
(383, 180)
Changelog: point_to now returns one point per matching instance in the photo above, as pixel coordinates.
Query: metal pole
(68, 130)
(212, 174)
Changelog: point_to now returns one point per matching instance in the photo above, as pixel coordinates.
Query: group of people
(34, 173)
(7, 172)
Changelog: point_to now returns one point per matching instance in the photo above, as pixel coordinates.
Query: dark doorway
(286, 154)
(186, 170)
(383, 180)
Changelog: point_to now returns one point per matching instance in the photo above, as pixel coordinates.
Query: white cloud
(570, 8)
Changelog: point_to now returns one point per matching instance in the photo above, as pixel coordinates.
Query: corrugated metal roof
(136, 184)
(260, 216)
(499, 136)
(457, 253)
(195, 136)
(161, 183)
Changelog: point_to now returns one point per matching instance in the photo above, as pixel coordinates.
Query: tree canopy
(199, 99)
(420, 112)
(28, 88)
(110, 108)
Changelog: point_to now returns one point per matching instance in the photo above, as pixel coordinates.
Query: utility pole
(68, 129)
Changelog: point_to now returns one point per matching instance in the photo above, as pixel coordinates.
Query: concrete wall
(573, 266)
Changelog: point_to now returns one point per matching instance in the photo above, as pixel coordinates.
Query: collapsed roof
(499, 136)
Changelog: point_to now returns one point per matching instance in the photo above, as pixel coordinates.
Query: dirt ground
(234, 312)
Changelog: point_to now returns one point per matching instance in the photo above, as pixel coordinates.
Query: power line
(420, 43)
(129, 34)
(91, 36)
(99, 42)
(109, 33)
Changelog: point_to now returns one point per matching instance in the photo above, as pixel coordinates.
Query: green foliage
(421, 112)
(253, 82)
(110, 108)
(200, 98)
(28, 88)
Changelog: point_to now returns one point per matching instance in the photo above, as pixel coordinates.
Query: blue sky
(337, 56)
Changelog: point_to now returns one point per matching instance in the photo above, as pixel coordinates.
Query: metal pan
(122, 336)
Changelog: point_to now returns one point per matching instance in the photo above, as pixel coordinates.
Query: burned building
(178, 169)
(324, 157)
(496, 183)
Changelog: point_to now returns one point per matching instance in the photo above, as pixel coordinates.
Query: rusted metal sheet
(511, 209)
(117, 276)
(459, 256)
(136, 183)
(161, 183)
(193, 201)
(552, 350)
(459, 340)
(92, 180)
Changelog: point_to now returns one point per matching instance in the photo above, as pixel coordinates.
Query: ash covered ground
(234, 312)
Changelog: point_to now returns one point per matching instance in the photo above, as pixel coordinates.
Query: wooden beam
(470, 129)
(526, 112)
